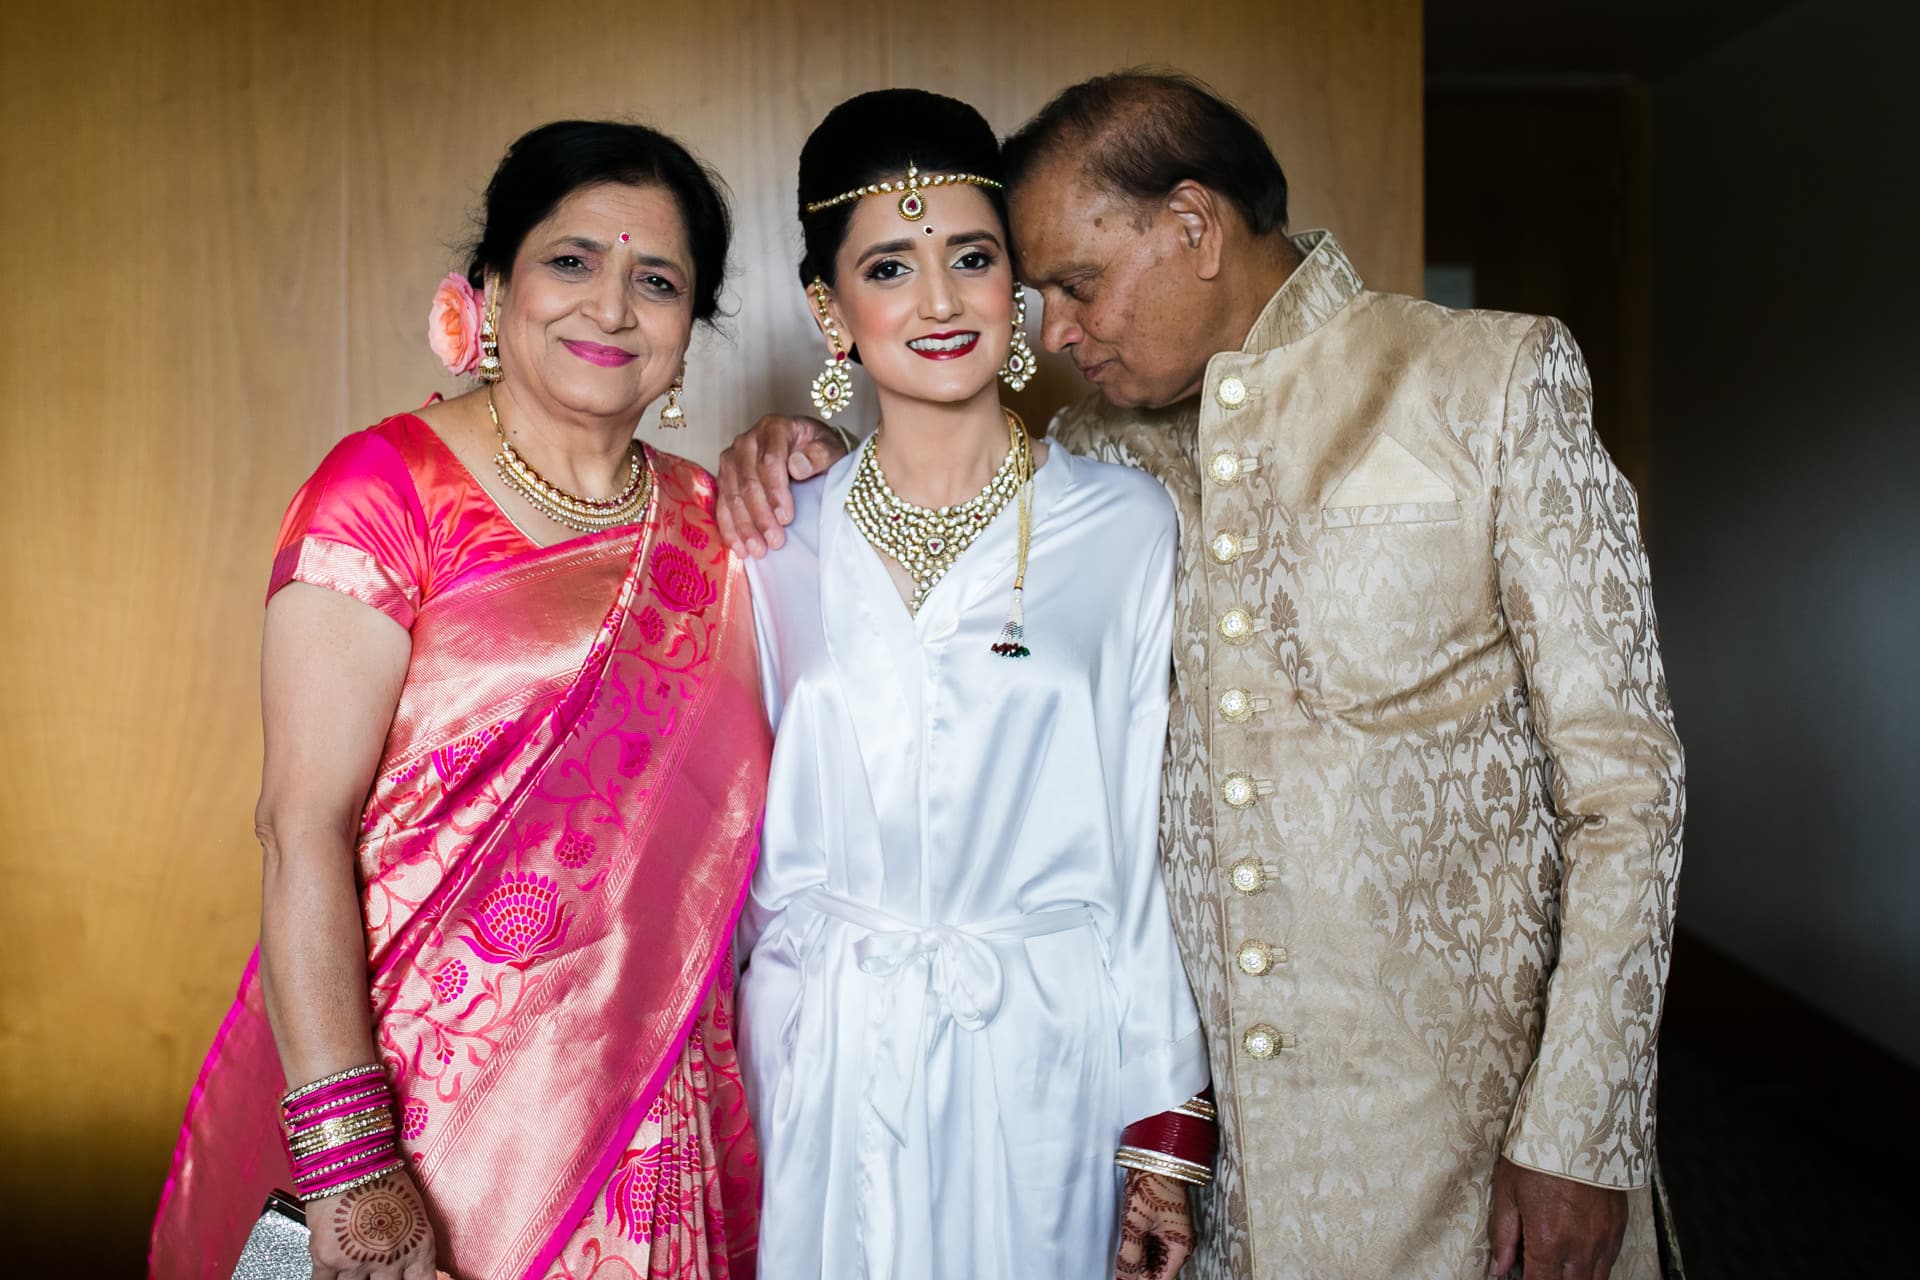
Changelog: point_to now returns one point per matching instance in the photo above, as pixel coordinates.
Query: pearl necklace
(583, 515)
(926, 541)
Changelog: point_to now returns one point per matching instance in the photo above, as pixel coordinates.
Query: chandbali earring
(672, 416)
(489, 370)
(832, 386)
(1019, 366)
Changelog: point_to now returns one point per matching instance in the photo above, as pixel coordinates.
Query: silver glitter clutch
(277, 1245)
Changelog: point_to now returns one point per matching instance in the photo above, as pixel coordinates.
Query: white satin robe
(962, 981)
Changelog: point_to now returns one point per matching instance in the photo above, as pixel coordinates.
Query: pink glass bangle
(332, 1094)
(333, 1097)
(325, 1082)
(347, 1153)
(348, 1179)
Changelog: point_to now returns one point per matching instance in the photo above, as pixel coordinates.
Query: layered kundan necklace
(583, 515)
(927, 541)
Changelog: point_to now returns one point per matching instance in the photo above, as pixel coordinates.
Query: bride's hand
(1156, 1228)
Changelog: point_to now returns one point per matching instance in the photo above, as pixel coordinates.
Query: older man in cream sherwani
(1423, 794)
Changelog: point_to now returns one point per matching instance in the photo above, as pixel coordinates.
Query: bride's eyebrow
(885, 246)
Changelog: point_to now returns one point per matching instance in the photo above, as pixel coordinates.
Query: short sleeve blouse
(391, 518)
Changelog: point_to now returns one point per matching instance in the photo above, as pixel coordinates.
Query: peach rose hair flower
(453, 324)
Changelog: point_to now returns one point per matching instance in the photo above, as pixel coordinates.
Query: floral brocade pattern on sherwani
(1470, 832)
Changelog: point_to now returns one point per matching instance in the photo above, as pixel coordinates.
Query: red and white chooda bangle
(1178, 1144)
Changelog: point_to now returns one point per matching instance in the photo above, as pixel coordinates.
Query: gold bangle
(1199, 1108)
(1163, 1164)
(321, 1150)
(340, 1131)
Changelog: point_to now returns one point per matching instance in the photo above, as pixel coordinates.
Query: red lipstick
(954, 352)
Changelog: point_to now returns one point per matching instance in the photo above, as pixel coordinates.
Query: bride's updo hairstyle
(873, 138)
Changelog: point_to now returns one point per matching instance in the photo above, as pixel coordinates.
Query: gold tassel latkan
(1012, 643)
(1014, 632)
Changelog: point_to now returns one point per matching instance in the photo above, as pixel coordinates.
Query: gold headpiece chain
(913, 205)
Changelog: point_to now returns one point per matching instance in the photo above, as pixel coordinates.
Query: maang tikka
(833, 385)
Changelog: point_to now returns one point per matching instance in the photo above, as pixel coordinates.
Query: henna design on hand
(379, 1223)
(1147, 1238)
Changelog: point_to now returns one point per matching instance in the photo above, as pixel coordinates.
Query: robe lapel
(871, 641)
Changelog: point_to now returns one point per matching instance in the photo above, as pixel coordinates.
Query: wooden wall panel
(220, 224)
(170, 357)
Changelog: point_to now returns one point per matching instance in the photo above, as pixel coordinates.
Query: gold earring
(1019, 366)
(832, 386)
(490, 370)
(672, 417)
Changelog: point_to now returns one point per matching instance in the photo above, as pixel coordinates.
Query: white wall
(1786, 500)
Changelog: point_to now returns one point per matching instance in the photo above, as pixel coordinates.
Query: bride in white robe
(961, 980)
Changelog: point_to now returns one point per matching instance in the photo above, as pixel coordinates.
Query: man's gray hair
(1141, 132)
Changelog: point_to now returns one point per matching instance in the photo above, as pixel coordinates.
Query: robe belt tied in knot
(963, 981)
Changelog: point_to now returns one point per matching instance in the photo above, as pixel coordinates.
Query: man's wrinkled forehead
(1064, 221)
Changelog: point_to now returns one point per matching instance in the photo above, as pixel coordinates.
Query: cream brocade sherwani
(1423, 795)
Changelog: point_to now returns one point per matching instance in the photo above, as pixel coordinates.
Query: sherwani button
(1241, 705)
(1263, 1040)
(1256, 958)
(1237, 625)
(1241, 790)
(1226, 548)
(1228, 466)
(1249, 875)
(1231, 392)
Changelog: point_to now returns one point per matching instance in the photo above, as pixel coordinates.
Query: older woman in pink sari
(515, 761)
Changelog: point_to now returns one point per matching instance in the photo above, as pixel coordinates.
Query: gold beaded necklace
(583, 515)
(927, 541)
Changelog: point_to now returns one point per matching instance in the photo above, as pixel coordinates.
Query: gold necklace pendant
(928, 541)
(582, 515)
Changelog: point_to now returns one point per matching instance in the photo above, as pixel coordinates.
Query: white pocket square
(1389, 474)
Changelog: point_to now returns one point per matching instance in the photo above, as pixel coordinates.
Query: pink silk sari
(552, 857)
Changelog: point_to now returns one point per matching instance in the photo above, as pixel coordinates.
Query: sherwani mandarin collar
(1318, 289)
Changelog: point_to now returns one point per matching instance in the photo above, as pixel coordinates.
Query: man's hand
(1156, 1228)
(756, 500)
(1562, 1229)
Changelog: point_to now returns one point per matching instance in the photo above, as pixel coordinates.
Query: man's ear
(1199, 213)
